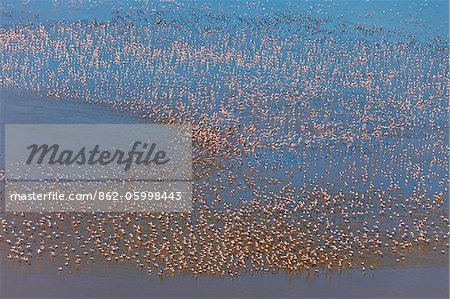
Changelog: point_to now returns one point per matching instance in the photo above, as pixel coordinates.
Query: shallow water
(424, 274)
(28, 108)
(388, 283)
(418, 17)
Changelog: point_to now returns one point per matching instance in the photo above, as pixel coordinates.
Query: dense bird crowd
(313, 152)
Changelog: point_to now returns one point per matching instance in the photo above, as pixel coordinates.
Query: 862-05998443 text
(98, 195)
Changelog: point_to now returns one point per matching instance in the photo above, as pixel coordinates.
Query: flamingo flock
(312, 151)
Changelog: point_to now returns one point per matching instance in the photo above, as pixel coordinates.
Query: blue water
(419, 18)
(28, 108)
(431, 282)
(425, 21)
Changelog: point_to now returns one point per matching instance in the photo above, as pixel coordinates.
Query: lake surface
(388, 283)
(426, 274)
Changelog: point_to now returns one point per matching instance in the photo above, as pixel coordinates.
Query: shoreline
(395, 283)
